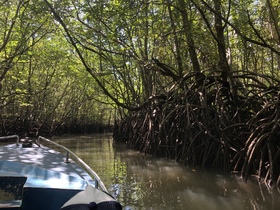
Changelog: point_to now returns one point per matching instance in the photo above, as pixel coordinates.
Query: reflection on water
(144, 182)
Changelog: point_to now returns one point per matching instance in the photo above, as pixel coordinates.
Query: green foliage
(43, 83)
(80, 62)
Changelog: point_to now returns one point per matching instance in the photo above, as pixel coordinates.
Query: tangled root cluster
(204, 121)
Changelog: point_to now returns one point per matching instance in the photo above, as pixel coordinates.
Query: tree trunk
(275, 32)
(223, 63)
(176, 40)
(187, 26)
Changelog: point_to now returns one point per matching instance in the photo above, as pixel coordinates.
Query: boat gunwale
(97, 181)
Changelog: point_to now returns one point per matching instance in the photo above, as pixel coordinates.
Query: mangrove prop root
(204, 124)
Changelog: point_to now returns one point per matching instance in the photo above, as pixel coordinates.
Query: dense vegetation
(192, 80)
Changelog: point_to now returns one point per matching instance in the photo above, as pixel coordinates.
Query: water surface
(141, 181)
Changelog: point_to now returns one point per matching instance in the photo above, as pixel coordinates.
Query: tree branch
(74, 42)
(237, 30)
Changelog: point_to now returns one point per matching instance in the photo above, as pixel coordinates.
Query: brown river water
(141, 181)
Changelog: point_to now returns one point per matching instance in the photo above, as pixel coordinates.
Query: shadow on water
(141, 181)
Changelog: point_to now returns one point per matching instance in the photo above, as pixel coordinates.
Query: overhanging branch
(74, 43)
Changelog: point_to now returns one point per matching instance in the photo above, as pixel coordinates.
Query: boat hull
(33, 176)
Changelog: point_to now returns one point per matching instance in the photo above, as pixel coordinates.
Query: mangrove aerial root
(210, 124)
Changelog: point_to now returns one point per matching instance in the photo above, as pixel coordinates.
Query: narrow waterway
(141, 181)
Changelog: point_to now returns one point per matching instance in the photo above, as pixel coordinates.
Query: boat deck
(33, 178)
(40, 163)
